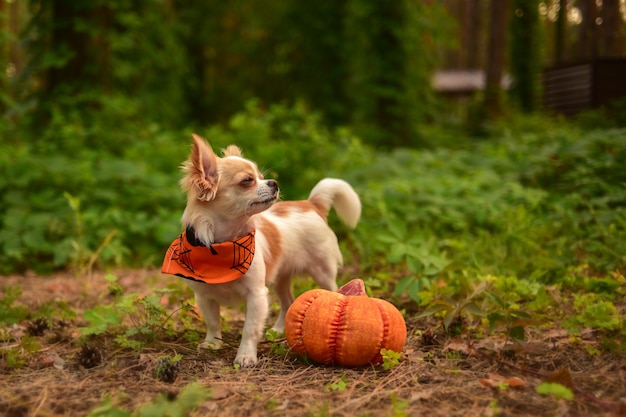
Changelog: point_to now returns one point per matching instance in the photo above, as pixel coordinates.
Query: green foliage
(10, 313)
(281, 137)
(123, 206)
(391, 359)
(134, 321)
(399, 407)
(87, 191)
(609, 116)
(529, 204)
(163, 405)
(523, 211)
(394, 47)
(455, 309)
(21, 348)
(100, 318)
(137, 43)
(510, 315)
(555, 390)
(17, 356)
(415, 253)
(339, 385)
(178, 63)
(594, 311)
(277, 342)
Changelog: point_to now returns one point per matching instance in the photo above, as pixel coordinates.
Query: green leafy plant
(277, 342)
(593, 310)
(454, 309)
(163, 405)
(509, 315)
(391, 359)
(414, 253)
(83, 258)
(10, 313)
(17, 356)
(399, 406)
(135, 321)
(555, 390)
(339, 385)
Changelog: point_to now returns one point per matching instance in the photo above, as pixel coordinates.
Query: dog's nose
(272, 184)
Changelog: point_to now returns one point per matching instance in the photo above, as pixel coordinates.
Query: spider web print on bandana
(243, 253)
(216, 264)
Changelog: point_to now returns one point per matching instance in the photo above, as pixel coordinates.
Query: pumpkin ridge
(338, 326)
(298, 321)
(385, 333)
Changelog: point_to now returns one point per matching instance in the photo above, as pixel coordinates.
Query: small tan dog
(238, 239)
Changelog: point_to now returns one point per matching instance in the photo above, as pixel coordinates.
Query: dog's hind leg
(282, 287)
(325, 276)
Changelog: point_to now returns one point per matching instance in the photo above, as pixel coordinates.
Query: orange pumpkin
(345, 328)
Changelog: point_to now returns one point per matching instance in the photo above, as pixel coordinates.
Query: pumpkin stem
(354, 287)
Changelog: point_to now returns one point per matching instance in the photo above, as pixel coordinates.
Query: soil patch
(438, 375)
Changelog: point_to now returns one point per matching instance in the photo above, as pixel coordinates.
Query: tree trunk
(496, 57)
(525, 57)
(559, 36)
(473, 34)
(74, 31)
(610, 30)
(588, 29)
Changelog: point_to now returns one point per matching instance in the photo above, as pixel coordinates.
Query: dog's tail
(332, 192)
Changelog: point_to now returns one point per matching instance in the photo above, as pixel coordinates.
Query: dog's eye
(247, 181)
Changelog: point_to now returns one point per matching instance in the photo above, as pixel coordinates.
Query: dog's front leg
(210, 310)
(257, 308)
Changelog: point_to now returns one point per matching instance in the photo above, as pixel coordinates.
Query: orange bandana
(216, 264)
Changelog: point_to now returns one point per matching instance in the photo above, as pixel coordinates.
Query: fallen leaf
(498, 381)
(219, 393)
(561, 376)
(207, 407)
(458, 345)
(416, 356)
(421, 395)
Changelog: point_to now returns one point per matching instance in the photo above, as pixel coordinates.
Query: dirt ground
(438, 375)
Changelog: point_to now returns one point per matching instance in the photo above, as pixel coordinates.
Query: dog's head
(231, 187)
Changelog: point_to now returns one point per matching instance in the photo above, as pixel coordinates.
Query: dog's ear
(233, 150)
(201, 168)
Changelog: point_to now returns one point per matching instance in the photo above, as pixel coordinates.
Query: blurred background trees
(367, 64)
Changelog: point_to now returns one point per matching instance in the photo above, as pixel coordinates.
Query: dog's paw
(246, 361)
(279, 328)
(210, 345)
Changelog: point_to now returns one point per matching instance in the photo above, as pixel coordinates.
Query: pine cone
(89, 356)
(37, 326)
(166, 370)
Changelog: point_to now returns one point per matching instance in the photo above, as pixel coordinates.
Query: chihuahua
(238, 240)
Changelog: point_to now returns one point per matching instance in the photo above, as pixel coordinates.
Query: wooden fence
(570, 89)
